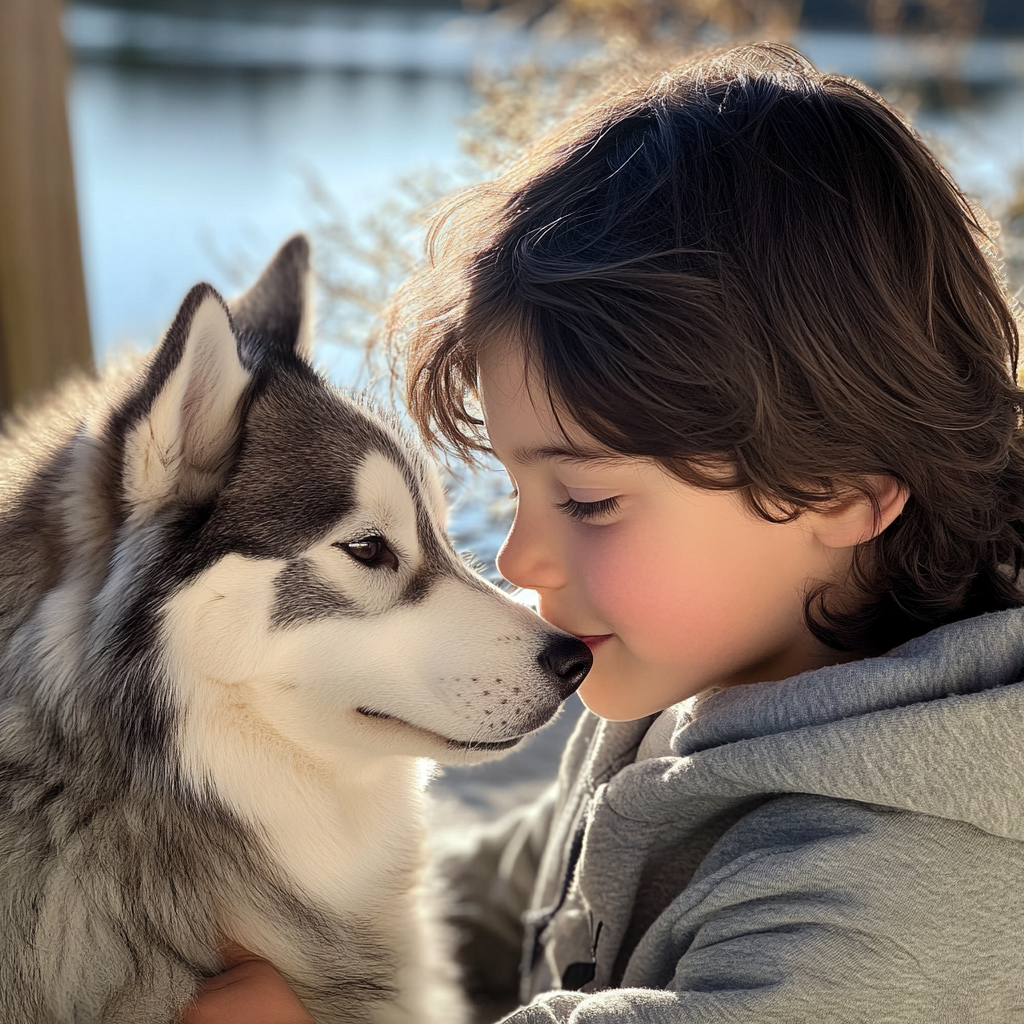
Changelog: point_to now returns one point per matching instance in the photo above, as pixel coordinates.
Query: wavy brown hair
(748, 263)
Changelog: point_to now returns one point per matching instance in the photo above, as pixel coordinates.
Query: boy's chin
(625, 694)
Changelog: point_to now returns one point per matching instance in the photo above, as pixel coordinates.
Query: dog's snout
(568, 660)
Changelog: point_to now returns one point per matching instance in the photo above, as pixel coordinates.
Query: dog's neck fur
(320, 813)
(342, 827)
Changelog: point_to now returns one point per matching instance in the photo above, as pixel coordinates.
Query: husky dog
(231, 625)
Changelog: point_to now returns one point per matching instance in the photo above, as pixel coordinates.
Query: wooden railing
(44, 325)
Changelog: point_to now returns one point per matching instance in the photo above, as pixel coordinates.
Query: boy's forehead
(522, 422)
(529, 454)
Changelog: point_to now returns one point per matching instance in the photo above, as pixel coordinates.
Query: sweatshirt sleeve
(489, 879)
(888, 916)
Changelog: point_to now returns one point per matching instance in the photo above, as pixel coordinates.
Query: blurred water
(182, 172)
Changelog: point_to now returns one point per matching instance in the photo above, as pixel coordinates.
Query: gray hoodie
(845, 845)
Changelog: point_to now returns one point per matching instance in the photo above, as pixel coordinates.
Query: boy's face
(674, 588)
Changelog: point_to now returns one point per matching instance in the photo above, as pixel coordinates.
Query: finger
(234, 954)
(252, 992)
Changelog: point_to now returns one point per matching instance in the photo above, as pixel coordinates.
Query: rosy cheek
(659, 606)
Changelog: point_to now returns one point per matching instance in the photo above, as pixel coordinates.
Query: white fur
(304, 343)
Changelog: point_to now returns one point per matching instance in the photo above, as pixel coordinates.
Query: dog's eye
(371, 551)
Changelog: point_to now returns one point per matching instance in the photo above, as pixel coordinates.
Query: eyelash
(582, 511)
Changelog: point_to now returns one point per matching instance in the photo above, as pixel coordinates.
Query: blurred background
(149, 144)
(204, 132)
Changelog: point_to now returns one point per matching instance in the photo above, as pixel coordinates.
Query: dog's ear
(274, 316)
(182, 426)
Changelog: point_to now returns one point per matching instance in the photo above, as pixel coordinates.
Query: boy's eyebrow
(527, 454)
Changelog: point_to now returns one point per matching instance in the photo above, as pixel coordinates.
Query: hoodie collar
(933, 727)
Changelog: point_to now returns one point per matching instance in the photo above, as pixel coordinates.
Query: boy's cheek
(658, 604)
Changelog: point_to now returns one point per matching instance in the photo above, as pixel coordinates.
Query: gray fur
(303, 597)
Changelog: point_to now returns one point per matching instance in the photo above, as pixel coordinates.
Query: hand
(250, 991)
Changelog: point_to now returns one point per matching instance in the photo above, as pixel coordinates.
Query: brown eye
(371, 551)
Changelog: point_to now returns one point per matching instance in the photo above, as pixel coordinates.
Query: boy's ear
(858, 520)
(274, 316)
(183, 425)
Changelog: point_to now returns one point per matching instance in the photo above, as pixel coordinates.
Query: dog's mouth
(452, 744)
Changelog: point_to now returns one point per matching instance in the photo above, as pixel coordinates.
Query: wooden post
(44, 324)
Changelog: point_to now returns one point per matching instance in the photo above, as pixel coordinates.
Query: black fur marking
(268, 318)
(302, 449)
(418, 587)
(34, 548)
(479, 745)
(300, 595)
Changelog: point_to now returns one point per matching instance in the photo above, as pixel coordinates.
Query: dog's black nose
(568, 660)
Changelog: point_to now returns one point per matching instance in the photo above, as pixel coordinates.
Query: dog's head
(313, 592)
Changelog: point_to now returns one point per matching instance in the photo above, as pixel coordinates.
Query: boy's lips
(594, 642)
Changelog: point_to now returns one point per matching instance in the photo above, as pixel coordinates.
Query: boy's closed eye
(584, 511)
(583, 504)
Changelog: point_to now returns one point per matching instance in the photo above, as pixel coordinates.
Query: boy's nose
(527, 558)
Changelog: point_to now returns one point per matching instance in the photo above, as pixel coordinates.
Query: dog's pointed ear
(181, 428)
(275, 315)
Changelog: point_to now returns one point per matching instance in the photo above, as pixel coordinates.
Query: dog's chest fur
(353, 853)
